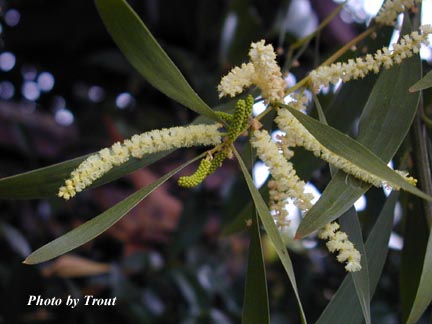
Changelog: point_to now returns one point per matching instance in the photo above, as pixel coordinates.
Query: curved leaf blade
(424, 291)
(423, 83)
(353, 151)
(271, 231)
(344, 307)
(415, 235)
(144, 53)
(350, 224)
(256, 303)
(96, 226)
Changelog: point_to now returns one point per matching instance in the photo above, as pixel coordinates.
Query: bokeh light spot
(46, 81)
(30, 90)
(96, 93)
(124, 100)
(64, 117)
(7, 90)
(12, 17)
(7, 61)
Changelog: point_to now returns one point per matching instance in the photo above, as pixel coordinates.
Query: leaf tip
(26, 261)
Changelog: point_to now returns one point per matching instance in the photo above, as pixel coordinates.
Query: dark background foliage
(167, 261)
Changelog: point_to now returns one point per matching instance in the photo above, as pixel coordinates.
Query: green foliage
(344, 306)
(97, 225)
(145, 54)
(271, 231)
(378, 118)
(384, 124)
(423, 83)
(45, 182)
(256, 302)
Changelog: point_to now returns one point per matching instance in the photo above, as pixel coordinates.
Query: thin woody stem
(305, 81)
(305, 40)
(348, 45)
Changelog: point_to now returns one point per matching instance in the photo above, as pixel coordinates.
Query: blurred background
(66, 90)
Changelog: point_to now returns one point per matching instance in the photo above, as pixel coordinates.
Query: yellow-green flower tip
(196, 178)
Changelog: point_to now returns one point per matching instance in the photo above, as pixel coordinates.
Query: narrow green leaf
(97, 225)
(45, 182)
(415, 235)
(256, 303)
(424, 292)
(350, 224)
(353, 151)
(272, 231)
(424, 83)
(145, 54)
(344, 307)
(384, 124)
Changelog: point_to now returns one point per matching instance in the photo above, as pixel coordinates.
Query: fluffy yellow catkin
(96, 165)
(300, 136)
(357, 68)
(391, 9)
(262, 70)
(338, 241)
(286, 182)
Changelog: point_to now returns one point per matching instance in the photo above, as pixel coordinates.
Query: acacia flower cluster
(338, 241)
(300, 136)
(96, 165)
(361, 66)
(391, 9)
(262, 70)
(286, 183)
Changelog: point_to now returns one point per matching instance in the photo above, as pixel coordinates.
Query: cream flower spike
(391, 9)
(286, 182)
(236, 80)
(96, 165)
(268, 75)
(357, 68)
(262, 70)
(338, 241)
(300, 136)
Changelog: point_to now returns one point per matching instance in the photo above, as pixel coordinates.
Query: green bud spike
(249, 106)
(217, 161)
(196, 178)
(225, 116)
(239, 115)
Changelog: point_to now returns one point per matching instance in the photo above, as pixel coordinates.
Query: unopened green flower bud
(196, 178)
(217, 161)
(225, 116)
